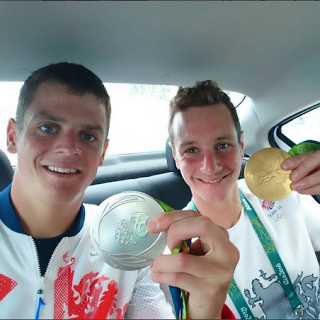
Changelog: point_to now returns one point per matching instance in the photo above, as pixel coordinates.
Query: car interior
(266, 51)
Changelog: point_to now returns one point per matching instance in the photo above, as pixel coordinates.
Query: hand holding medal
(132, 230)
(120, 237)
(269, 180)
(205, 273)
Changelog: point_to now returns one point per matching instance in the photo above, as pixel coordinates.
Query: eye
(88, 137)
(223, 146)
(46, 128)
(191, 150)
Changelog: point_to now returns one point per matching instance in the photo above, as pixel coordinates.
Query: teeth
(61, 170)
(212, 181)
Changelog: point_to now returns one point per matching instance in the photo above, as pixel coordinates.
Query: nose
(210, 163)
(67, 144)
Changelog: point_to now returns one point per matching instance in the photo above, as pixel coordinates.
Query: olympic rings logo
(124, 235)
(120, 237)
(279, 216)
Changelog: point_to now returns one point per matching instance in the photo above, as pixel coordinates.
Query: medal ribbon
(306, 146)
(277, 264)
(179, 296)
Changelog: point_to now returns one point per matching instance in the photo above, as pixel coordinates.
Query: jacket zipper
(42, 278)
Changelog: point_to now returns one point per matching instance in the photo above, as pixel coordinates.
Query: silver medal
(119, 233)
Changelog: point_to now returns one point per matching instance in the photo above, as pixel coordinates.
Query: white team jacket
(77, 283)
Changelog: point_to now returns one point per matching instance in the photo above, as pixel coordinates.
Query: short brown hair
(203, 93)
(77, 78)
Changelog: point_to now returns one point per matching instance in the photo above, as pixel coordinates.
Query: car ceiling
(269, 51)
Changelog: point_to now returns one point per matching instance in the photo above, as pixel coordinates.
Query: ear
(103, 153)
(12, 136)
(242, 144)
(174, 156)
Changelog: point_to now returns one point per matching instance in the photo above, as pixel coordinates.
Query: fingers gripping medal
(179, 296)
(119, 233)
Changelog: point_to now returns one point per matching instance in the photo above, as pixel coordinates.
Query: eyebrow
(93, 127)
(192, 142)
(187, 143)
(48, 116)
(227, 137)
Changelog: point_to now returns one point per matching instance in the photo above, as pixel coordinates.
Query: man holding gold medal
(269, 216)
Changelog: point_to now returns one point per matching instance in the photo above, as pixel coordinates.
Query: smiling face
(61, 144)
(207, 151)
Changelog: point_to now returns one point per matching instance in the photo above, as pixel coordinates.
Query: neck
(224, 213)
(43, 217)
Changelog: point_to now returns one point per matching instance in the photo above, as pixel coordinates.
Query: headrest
(172, 164)
(6, 171)
(170, 161)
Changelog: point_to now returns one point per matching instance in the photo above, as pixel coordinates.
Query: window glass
(9, 92)
(138, 121)
(305, 127)
(139, 117)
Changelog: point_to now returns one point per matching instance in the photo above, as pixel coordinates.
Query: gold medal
(264, 176)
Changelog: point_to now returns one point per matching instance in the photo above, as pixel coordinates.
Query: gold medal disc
(264, 176)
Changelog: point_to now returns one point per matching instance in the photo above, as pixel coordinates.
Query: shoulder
(90, 208)
(91, 211)
(242, 185)
(188, 206)
(306, 200)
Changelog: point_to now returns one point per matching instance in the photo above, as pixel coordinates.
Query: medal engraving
(124, 235)
(140, 223)
(265, 177)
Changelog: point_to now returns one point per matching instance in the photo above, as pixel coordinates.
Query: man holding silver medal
(278, 273)
(60, 136)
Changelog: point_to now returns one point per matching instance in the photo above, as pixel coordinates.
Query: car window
(304, 127)
(8, 103)
(137, 111)
(298, 128)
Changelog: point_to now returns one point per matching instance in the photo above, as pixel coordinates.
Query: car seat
(6, 171)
